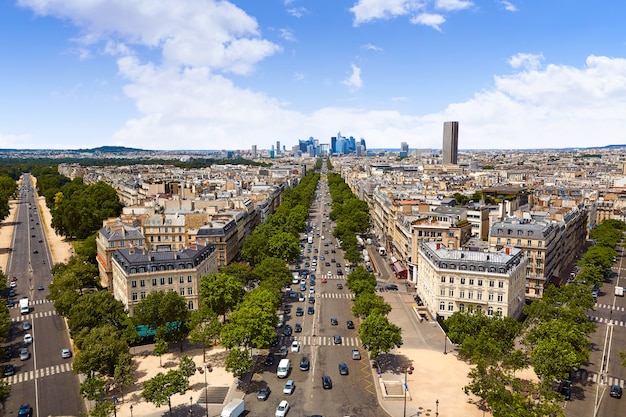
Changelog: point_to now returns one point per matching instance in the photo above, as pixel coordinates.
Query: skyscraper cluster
(344, 145)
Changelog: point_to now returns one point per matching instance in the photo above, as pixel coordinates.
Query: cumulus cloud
(297, 11)
(525, 60)
(429, 19)
(508, 6)
(453, 4)
(367, 10)
(354, 81)
(371, 47)
(287, 34)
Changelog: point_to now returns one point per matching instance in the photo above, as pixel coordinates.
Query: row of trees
(8, 188)
(350, 215)
(554, 338)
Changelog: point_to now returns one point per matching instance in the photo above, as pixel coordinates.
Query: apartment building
(223, 235)
(139, 272)
(165, 232)
(451, 280)
(113, 236)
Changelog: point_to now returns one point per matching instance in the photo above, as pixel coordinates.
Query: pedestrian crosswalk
(336, 295)
(320, 341)
(607, 321)
(610, 307)
(31, 316)
(38, 373)
(33, 302)
(589, 376)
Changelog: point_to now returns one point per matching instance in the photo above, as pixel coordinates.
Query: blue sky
(205, 74)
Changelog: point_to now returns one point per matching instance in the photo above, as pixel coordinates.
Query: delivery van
(234, 408)
(283, 368)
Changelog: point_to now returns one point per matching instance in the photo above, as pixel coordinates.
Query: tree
(100, 350)
(187, 366)
(123, 376)
(251, 325)
(87, 249)
(94, 309)
(93, 388)
(5, 318)
(159, 389)
(378, 335)
(366, 303)
(5, 391)
(220, 293)
(238, 362)
(205, 329)
(283, 245)
(166, 310)
(273, 272)
(160, 345)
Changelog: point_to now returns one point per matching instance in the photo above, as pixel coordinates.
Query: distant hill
(111, 149)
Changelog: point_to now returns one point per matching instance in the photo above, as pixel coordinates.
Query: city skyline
(230, 75)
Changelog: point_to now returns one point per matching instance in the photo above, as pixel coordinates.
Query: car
(304, 363)
(297, 328)
(333, 321)
(66, 353)
(282, 351)
(327, 264)
(39, 287)
(10, 303)
(25, 411)
(337, 339)
(26, 325)
(282, 409)
(287, 330)
(35, 251)
(333, 251)
(287, 308)
(339, 272)
(263, 393)
(312, 290)
(338, 265)
(323, 258)
(13, 284)
(566, 389)
(299, 311)
(274, 341)
(327, 383)
(340, 286)
(356, 355)
(324, 280)
(13, 278)
(295, 279)
(311, 299)
(343, 368)
(310, 310)
(289, 387)
(616, 391)
(8, 353)
(12, 293)
(350, 324)
(391, 287)
(40, 240)
(301, 297)
(28, 339)
(295, 346)
(24, 354)
(9, 370)
(269, 359)
(292, 294)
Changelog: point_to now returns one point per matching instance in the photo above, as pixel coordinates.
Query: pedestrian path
(337, 295)
(31, 316)
(38, 373)
(320, 341)
(589, 376)
(610, 307)
(607, 321)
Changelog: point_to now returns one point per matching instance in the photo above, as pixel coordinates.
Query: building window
(190, 291)
(519, 242)
(134, 296)
(443, 279)
(500, 298)
(470, 308)
(442, 292)
(480, 282)
(539, 243)
(461, 307)
(500, 284)
(181, 279)
(490, 297)
(463, 281)
(190, 305)
(133, 284)
(162, 280)
(442, 306)
(142, 283)
(529, 243)
(154, 282)
(499, 311)
(143, 295)
(170, 280)
(451, 279)
(181, 290)
(451, 292)
(479, 295)
(470, 295)
(490, 311)
(479, 308)
(450, 306)
(461, 293)
(189, 278)
(498, 242)
(491, 283)
(471, 281)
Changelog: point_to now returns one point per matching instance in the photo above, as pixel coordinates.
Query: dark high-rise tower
(450, 142)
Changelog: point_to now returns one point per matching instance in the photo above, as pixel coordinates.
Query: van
(283, 368)
(234, 408)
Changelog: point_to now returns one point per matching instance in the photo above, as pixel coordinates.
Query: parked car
(566, 389)
(299, 311)
(26, 325)
(391, 287)
(297, 328)
(289, 387)
(24, 354)
(25, 411)
(310, 310)
(269, 359)
(28, 339)
(282, 409)
(287, 330)
(9, 370)
(327, 383)
(263, 393)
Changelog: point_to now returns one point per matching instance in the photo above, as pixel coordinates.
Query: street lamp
(190, 406)
(131, 410)
(437, 408)
(407, 370)
(209, 368)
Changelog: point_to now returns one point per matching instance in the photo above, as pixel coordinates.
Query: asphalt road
(351, 395)
(45, 381)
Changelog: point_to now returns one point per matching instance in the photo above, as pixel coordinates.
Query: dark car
(391, 287)
(10, 303)
(304, 363)
(287, 330)
(9, 370)
(350, 324)
(297, 328)
(338, 265)
(287, 308)
(25, 411)
(269, 359)
(275, 341)
(340, 286)
(337, 339)
(310, 310)
(343, 369)
(616, 391)
(339, 272)
(263, 393)
(327, 383)
(566, 389)
(333, 321)
(311, 299)
(299, 311)
(35, 251)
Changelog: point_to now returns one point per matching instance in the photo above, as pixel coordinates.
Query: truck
(310, 240)
(234, 408)
(619, 291)
(382, 251)
(24, 308)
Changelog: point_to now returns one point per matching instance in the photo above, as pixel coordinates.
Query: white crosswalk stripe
(337, 295)
(39, 373)
(605, 320)
(588, 376)
(610, 307)
(32, 302)
(31, 316)
(322, 341)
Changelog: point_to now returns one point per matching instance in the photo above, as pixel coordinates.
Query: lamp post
(131, 410)
(190, 406)
(436, 408)
(407, 370)
(209, 368)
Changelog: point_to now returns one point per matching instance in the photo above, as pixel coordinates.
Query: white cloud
(354, 81)
(453, 4)
(297, 11)
(371, 47)
(299, 76)
(287, 35)
(367, 10)
(429, 19)
(526, 61)
(508, 6)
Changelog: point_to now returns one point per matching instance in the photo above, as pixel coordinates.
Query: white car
(13, 284)
(300, 297)
(28, 339)
(66, 353)
(295, 346)
(329, 273)
(312, 290)
(282, 409)
(289, 387)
